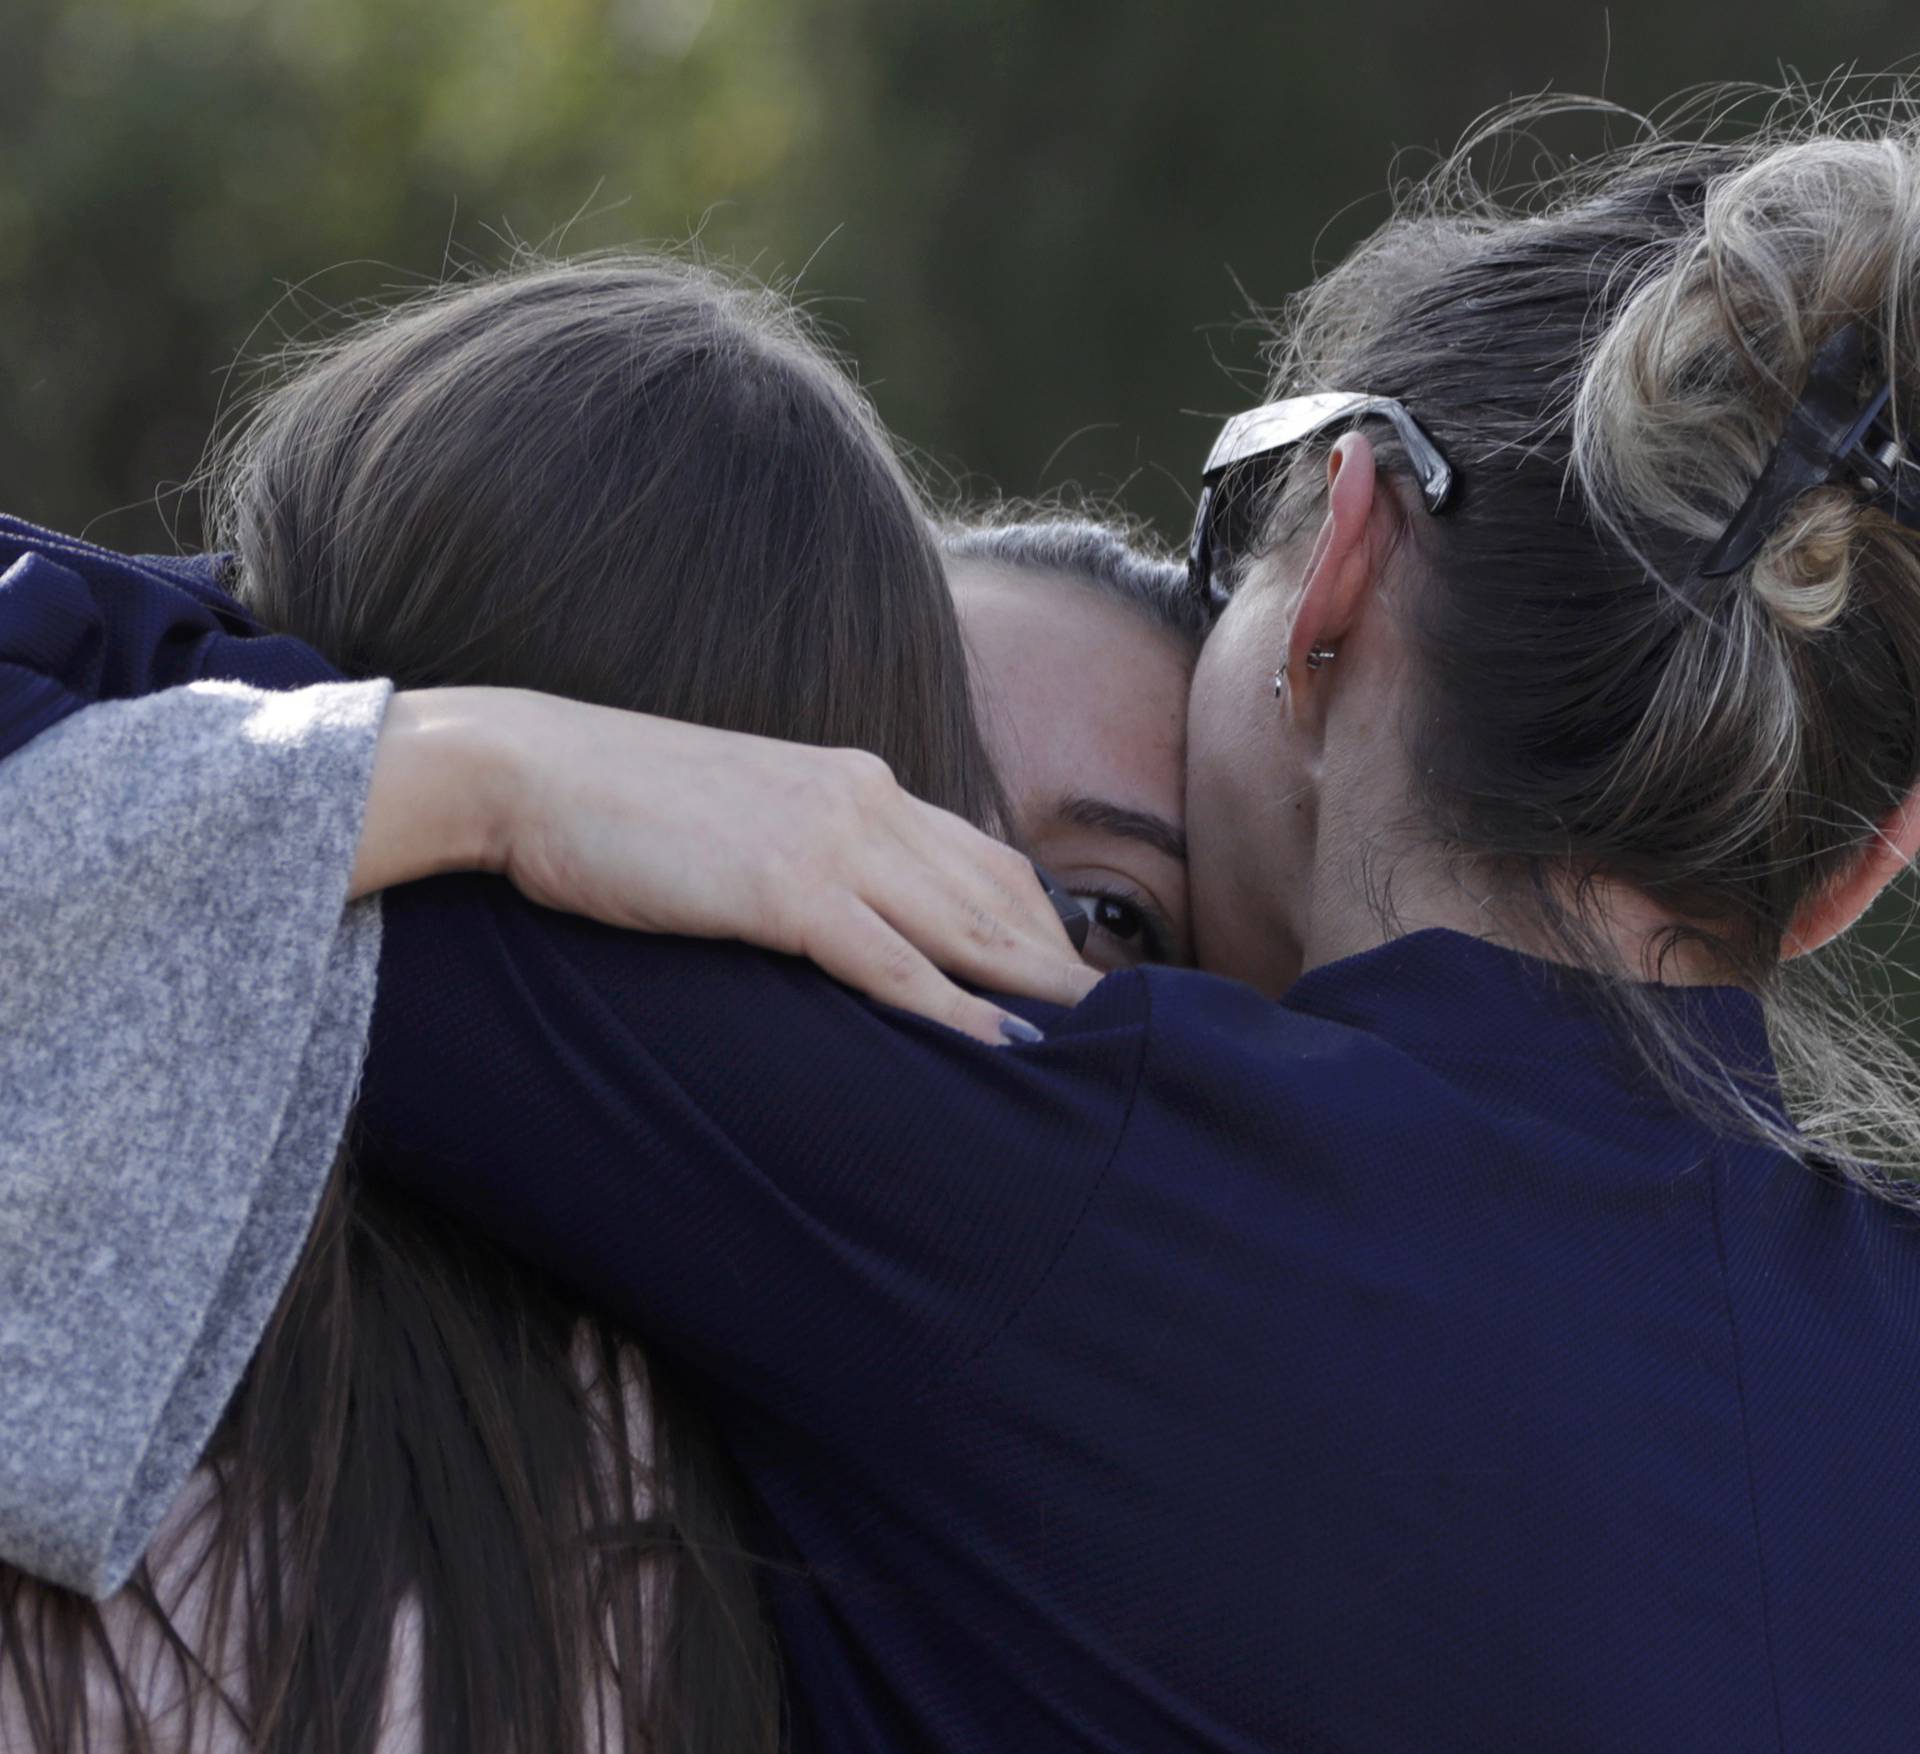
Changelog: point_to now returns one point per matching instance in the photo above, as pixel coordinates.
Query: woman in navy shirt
(1465, 1351)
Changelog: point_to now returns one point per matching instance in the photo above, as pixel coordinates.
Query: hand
(668, 827)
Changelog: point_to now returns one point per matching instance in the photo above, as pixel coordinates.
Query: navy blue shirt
(81, 624)
(1391, 1368)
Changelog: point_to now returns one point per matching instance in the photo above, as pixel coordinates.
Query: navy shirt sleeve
(806, 1197)
(803, 1195)
(80, 624)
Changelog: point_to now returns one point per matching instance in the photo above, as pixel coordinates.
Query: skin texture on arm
(659, 826)
(438, 799)
(816, 851)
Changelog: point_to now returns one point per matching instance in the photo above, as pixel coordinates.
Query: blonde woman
(1441, 1337)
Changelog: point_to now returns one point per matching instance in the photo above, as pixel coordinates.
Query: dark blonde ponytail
(1609, 358)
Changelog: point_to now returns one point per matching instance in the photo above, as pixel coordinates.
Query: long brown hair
(632, 482)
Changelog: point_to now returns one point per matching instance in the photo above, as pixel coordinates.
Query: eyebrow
(1110, 818)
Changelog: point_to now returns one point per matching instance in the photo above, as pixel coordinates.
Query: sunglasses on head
(1226, 521)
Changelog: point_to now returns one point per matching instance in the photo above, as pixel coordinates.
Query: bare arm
(667, 827)
(439, 797)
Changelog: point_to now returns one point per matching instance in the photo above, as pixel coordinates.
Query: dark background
(1034, 225)
(1038, 227)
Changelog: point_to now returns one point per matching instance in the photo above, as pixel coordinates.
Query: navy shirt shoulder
(838, 1202)
(1392, 1368)
(1375, 1370)
(80, 624)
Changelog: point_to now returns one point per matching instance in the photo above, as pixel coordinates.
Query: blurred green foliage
(1032, 222)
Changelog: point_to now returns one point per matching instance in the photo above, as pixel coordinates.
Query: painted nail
(1020, 1030)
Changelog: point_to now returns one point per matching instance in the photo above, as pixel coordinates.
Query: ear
(1341, 566)
(1823, 917)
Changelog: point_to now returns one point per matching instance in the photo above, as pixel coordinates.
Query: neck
(1367, 886)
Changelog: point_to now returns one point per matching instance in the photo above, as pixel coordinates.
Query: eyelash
(1156, 938)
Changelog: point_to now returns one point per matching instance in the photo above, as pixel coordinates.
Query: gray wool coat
(184, 1002)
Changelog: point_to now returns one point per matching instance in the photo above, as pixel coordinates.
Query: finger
(857, 946)
(973, 906)
(1002, 880)
(952, 924)
(979, 911)
(1035, 956)
(1011, 963)
(1013, 876)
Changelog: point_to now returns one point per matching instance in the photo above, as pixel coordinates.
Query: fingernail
(1020, 1030)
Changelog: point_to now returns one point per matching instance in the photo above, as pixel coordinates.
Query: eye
(1127, 929)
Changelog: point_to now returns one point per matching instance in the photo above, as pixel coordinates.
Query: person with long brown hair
(1491, 1343)
(1463, 1331)
(449, 1507)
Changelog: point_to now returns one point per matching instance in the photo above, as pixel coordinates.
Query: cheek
(1241, 777)
(1233, 721)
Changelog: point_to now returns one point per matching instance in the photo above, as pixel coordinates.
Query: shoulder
(471, 974)
(1207, 1033)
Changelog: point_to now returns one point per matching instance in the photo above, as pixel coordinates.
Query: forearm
(631, 820)
(662, 826)
(441, 790)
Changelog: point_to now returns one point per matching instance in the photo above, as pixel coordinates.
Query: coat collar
(1440, 994)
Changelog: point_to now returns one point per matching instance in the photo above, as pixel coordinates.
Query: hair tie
(1829, 436)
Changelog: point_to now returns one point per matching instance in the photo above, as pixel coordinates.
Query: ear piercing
(1317, 657)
